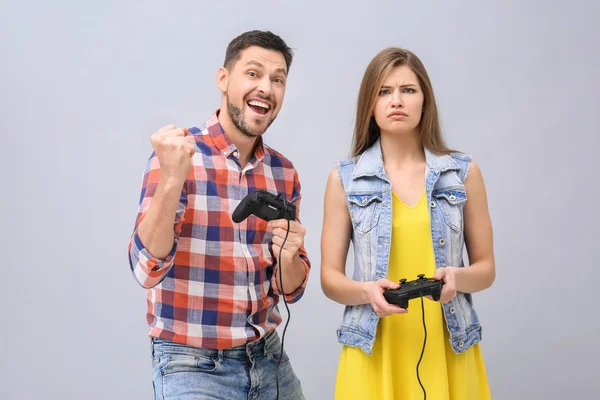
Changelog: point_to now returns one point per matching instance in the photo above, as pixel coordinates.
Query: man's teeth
(258, 104)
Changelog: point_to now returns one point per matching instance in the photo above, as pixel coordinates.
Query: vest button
(461, 343)
(432, 204)
(451, 310)
(442, 242)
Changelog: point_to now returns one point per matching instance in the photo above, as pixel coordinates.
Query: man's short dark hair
(265, 39)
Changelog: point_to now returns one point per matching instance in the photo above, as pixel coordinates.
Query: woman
(408, 204)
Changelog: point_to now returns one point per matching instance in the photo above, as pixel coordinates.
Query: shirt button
(432, 204)
(452, 198)
(461, 343)
(451, 310)
(442, 241)
(235, 153)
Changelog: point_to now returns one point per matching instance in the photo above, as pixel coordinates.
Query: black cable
(284, 300)
(423, 350)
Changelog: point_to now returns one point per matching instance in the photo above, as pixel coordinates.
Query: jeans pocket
(188, 363)
(273, 349)
(274, 356)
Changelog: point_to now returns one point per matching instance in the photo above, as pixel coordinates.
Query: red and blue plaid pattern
(217, 288)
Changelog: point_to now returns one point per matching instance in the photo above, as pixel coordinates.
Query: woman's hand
(374, 292)
(448, 276)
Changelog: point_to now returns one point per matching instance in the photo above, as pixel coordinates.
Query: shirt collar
(224, 144)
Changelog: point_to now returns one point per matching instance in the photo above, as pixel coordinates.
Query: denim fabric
(244, 372)
(369, 199)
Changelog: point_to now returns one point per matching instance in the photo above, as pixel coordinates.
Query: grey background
(84, 84)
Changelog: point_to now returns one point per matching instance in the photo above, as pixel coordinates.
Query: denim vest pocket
(451, 201)
(364, 211)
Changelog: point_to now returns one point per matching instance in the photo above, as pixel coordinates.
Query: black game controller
(413, 289)
(264, 205)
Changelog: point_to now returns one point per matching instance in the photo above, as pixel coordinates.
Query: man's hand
(448, 276)
(295, 239)
(174, 148)
(291, 271)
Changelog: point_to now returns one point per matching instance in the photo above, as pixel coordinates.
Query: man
(214, 284)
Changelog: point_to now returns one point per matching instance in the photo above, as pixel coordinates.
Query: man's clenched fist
(174, 148)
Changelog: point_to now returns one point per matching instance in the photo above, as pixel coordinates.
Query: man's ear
(222, 79)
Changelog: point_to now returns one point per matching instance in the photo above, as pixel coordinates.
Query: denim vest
(369, 199)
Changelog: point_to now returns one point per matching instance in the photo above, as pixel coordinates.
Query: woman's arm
(335, 241)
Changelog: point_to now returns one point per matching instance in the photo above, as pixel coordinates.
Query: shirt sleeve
(299, 291)
(148, 270)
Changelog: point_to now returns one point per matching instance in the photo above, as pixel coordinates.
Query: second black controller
(264, 205)
(413, 289)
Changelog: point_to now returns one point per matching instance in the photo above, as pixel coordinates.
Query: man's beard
(237, 117)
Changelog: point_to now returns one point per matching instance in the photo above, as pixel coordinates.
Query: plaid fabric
(217, 287)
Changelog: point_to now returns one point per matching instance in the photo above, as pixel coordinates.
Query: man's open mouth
(258, 107)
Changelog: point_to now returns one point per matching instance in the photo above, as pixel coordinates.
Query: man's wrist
(289, 261)
(171, 182)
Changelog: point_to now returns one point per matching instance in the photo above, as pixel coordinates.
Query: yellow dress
(390, 372)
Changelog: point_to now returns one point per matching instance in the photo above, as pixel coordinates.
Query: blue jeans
(245, 372)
